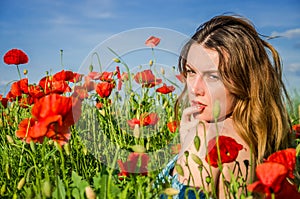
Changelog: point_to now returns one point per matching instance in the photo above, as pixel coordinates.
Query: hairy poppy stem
(61, 58)
(98, 59)
(210, 169)
(19, 71)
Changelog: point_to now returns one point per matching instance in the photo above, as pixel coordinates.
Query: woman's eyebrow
(189, 66)
(204, 72)
(211, 71)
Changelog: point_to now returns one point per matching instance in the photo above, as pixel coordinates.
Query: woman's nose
(198, 86)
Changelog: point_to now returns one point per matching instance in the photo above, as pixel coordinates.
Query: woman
(233, 90)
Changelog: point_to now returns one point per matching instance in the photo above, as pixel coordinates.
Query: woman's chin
(202, 117)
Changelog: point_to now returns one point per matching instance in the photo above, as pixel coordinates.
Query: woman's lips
(199, 105)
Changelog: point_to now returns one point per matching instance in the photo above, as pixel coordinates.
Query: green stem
(61, 58)
(124, 64)
(19, 73)
(98, 59)
(109, 181)
(208, 160)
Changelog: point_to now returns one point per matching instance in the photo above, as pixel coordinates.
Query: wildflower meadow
(110, 133)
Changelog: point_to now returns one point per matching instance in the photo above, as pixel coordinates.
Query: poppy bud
(186, 153)
(116, 60)
(136, 131)
(67, 148)
(162, 71)
(208, 180)
(179, 169)
(171, 191)
(197, 142)
(21, 183)
(46, 188)
(197, 159)
(91, 68)
(90, 194)
(58, 147)
(151, 62)
(138, 148)
(25, 71)
(32, 146)
(9, 139)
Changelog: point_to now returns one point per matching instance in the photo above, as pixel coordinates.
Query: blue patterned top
(173, 179)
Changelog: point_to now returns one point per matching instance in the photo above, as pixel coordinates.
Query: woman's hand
(188, 127)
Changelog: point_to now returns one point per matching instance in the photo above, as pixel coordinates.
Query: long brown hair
(260, 115)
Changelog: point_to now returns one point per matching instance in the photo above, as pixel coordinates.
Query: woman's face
(204, 85)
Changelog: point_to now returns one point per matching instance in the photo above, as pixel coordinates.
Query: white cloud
(293, 33)
(293, 67)
(99, 15)
(62, 20)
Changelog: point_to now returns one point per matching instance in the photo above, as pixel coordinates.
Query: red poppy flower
(3, 101)
(94, 75)
(287, 158)
(89, 84)
(133, 122)
(296, 128)
(52, 116)
(80, 92)
(152, 41)
(107, 76)
(15, 90)
(18, 88)
(165, 89)
(288, 190)
(35, 91)
(229, 150)
(26, 101)
(175, 149)
(52, 86)
(147, 79)
(76, 77)
(104, 89)
(124, 76)
(146, 119)
(149, 119)
(63, 76)
(130, 166)
(270, 177)
(30, 129)
(119, 76)
(100, 105)
(15, 56)
(172, 126)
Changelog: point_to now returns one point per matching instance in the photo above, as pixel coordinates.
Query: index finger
(187, 114)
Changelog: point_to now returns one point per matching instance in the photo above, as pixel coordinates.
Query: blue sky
(43, 27)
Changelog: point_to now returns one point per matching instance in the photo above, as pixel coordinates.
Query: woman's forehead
(202, 58)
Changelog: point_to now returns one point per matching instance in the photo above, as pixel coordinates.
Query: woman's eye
(190, 71)
(212, 77)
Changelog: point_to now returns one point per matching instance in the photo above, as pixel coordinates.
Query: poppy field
(110, 134)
